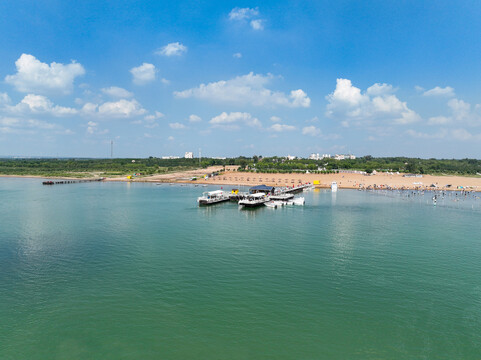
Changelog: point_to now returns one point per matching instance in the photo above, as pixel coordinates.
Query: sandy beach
(344, 180)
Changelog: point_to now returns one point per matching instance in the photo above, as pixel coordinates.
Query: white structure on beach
(189, 155)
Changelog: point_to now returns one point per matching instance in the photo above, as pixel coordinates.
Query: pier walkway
(59, 182)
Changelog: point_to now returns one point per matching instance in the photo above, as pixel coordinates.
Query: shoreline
(379, 181)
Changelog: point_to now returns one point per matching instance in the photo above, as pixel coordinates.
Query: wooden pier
(296, 189)
(61, 182)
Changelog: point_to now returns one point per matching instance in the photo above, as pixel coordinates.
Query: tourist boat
(213, 197)
(253, 200)
(271, 204)
(334, 186)
(297, 201)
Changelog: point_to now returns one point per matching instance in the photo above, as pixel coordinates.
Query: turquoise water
(139, 271)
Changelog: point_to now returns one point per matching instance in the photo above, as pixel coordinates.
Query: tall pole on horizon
(200, 156)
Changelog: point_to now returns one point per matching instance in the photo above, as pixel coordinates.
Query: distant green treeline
(152, 165)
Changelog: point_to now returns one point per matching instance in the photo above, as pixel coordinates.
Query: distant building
(314, 156)
(343, 157)
(290, 157)
(189, 155)
(170, 157)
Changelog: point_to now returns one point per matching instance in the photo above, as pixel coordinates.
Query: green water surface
(139, 271)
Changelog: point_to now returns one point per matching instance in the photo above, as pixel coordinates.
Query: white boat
(213, 197)
(334, 186)
(253, 200)
(297, 201)
(271, 204)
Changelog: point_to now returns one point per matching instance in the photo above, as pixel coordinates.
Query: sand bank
(344, 180)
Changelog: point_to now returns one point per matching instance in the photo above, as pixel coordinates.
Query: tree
(243, 163)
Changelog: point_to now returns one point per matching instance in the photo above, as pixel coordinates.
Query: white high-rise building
(189, 155)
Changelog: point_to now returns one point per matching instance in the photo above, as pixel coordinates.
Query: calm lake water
(139, 271)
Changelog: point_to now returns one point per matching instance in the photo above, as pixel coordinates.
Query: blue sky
(159, 78)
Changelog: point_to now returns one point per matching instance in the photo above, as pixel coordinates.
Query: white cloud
(194, 118)
(439, 91)
(39, 104)
(282, 128)
(93, 129)
(143, 74)
(463, 113)
(300, 98)
(237, 55)
(420, 135)
(11, 125)
(150, 120)
(177, 126)
(122, 108)
(171, 138)
(247, 89)
(459, 134)
(232, 120)
(172, 49)
(349, 105)
(439, 120)
(379, 89)
(257, 24)
(35, 76)
(275, 119)
(152, 117)
(461, 110)
(464, 135)
(117, 92)
(243, 13)
(4, 99)
(249, 15)
(114, 109)
(311, 131)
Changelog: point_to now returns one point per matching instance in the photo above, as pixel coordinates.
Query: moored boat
(254, 200)
(213, 197)
(296, 201)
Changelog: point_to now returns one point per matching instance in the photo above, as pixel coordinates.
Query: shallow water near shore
(139, 271)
